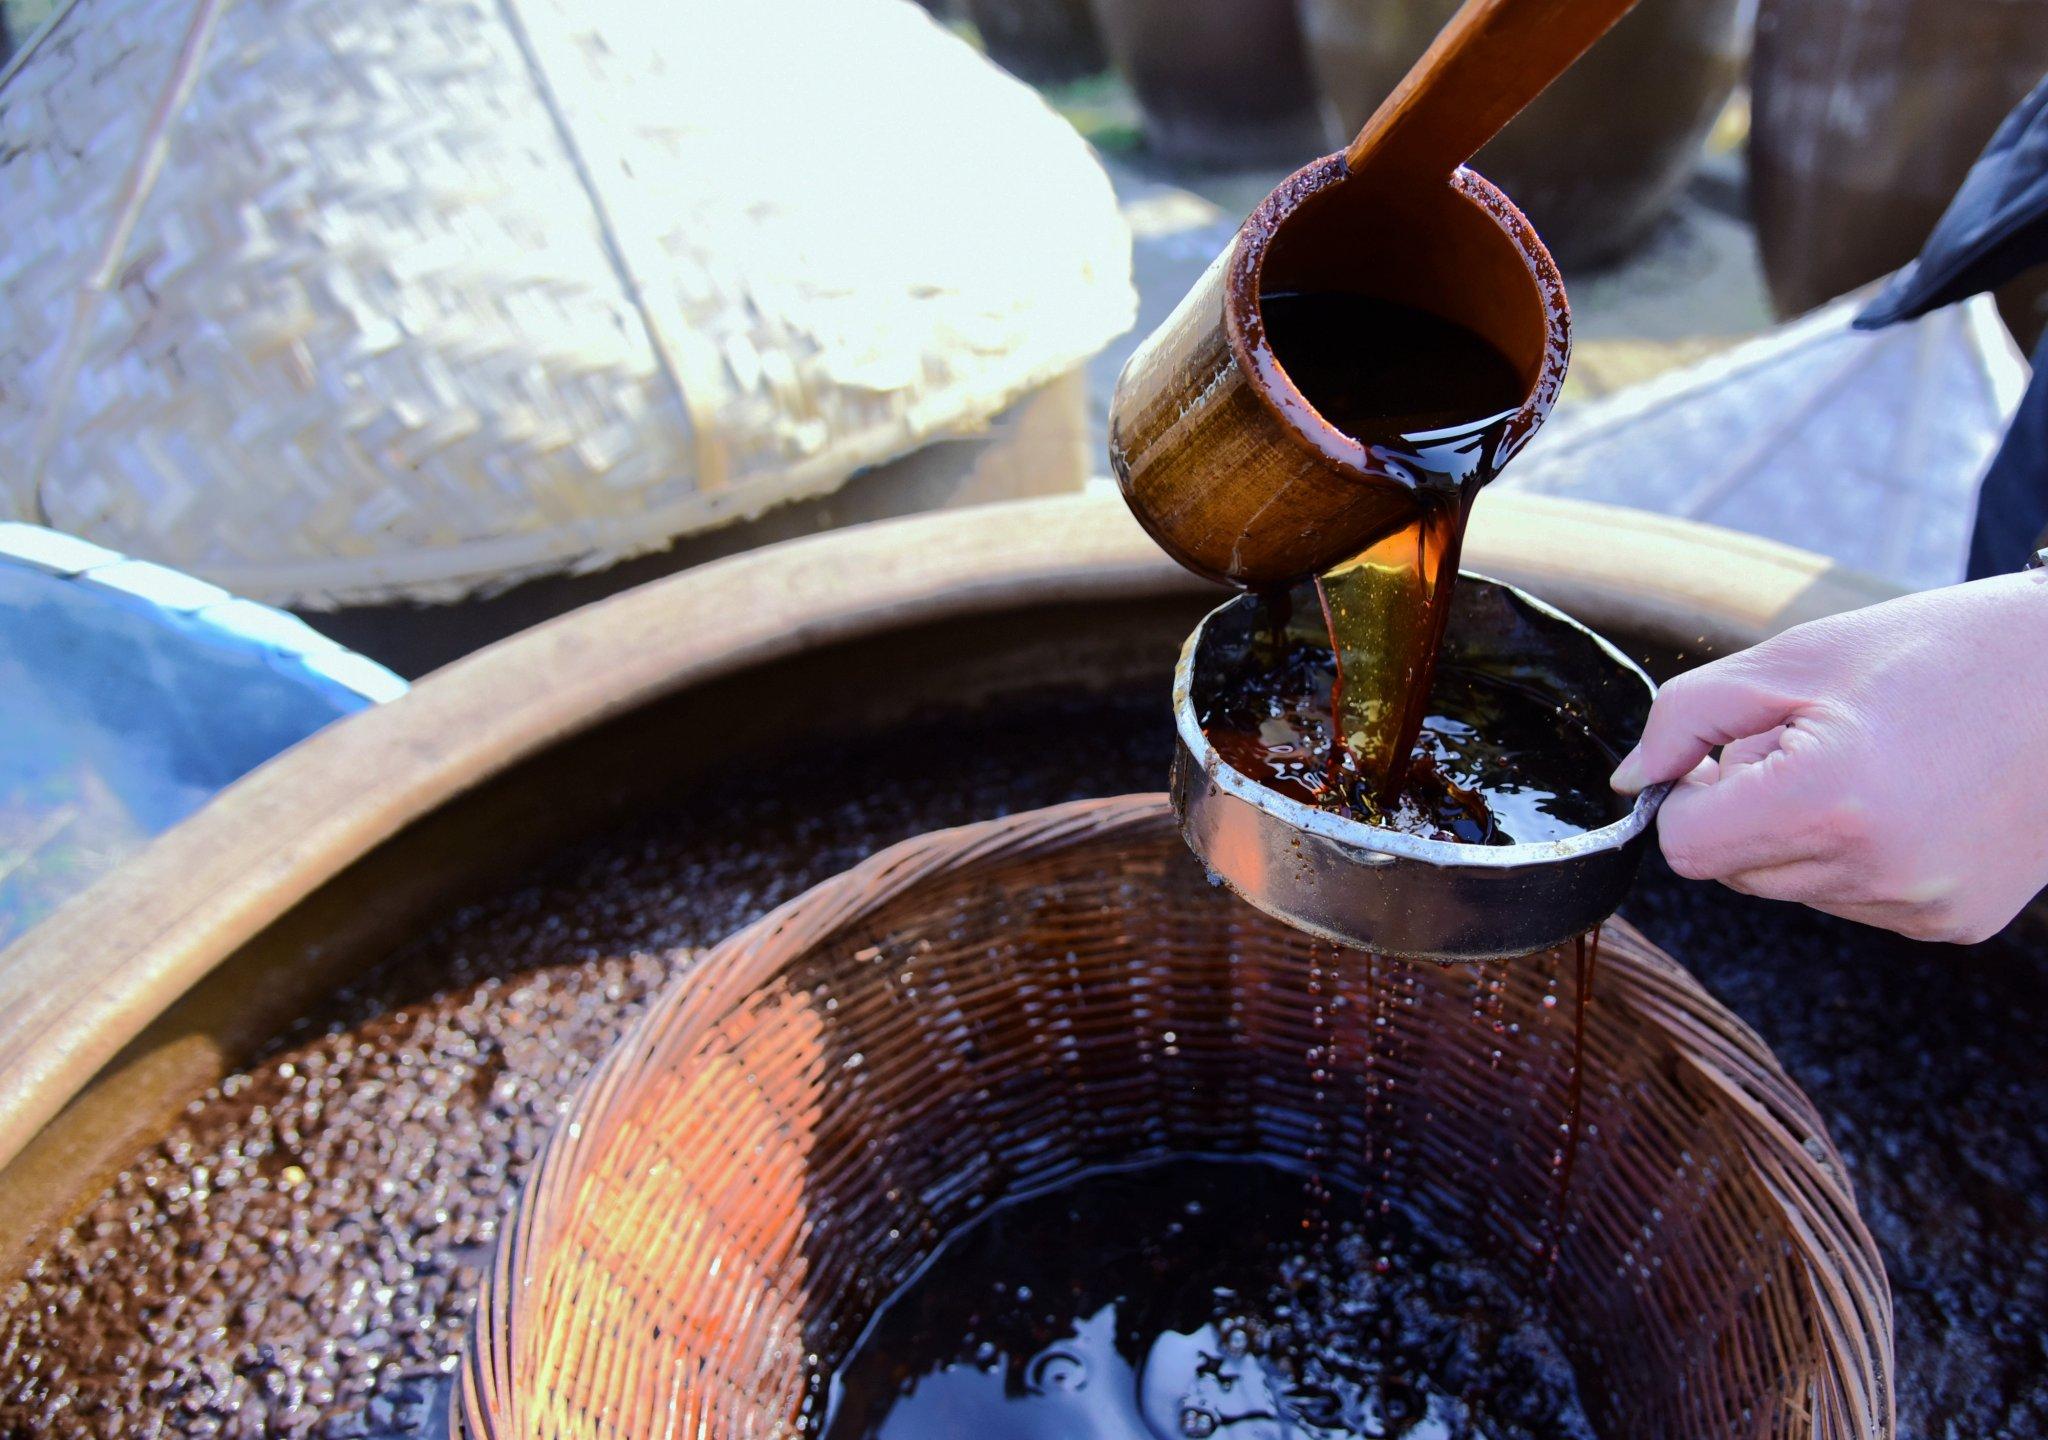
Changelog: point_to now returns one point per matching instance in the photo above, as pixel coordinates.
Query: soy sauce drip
(1587, 957)
(1322, 1062)
(1374, 1182)
(1386, 611)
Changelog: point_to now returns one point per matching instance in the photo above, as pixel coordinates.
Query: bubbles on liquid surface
(1052, 1370)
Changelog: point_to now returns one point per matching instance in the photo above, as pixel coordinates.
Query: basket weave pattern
(984, 1011)
(343, 301)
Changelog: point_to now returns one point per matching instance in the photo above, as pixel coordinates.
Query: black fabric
(2012, 506)
(1996, 227)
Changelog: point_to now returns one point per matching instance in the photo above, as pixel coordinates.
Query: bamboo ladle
(1219, 456)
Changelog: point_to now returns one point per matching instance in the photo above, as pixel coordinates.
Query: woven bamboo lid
(980, 1012)
(346, 301)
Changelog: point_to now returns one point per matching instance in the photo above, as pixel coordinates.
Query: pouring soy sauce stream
(1376, 344)
(1437, 399)
(1426, 390)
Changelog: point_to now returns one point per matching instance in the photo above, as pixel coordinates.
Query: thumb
(1698, 710)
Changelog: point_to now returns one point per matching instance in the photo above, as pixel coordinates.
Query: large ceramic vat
(123, 1014)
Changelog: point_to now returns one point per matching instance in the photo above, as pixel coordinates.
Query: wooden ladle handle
(1493, 58)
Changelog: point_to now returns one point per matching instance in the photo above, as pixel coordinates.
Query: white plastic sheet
(1866, 447)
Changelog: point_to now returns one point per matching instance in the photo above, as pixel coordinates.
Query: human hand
(1888, 765)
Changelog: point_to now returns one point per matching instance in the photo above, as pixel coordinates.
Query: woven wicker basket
(986, 1010)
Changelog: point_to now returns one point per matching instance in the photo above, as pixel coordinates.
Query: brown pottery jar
(1042, 41)
(1223, 84)
(1867, 118)
(1599, 156)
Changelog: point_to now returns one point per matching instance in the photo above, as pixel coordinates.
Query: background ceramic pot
(1867, 117)
(1598, 158)
(1222, 83)
(1043, 41)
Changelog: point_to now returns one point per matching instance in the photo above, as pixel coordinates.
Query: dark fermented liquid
(1426, 391)
(1491, 764)
(1433, 402)
(1586, 954)
(1198, 1298)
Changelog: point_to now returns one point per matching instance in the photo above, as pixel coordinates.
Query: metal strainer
(1400, 894)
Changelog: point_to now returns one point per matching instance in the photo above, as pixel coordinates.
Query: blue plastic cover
(129, 693)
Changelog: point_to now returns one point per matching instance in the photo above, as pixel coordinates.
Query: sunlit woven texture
(985, 1010)
(335, 301)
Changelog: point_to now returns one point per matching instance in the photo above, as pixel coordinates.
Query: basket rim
(1776, 1126)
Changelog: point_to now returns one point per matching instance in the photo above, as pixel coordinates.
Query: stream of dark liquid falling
(1321, 1057)
(1586, 954)
(1386, 611)
(1374, 1181)
(1430, 402)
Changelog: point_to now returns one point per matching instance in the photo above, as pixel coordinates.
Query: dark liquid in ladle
(1433, 402)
